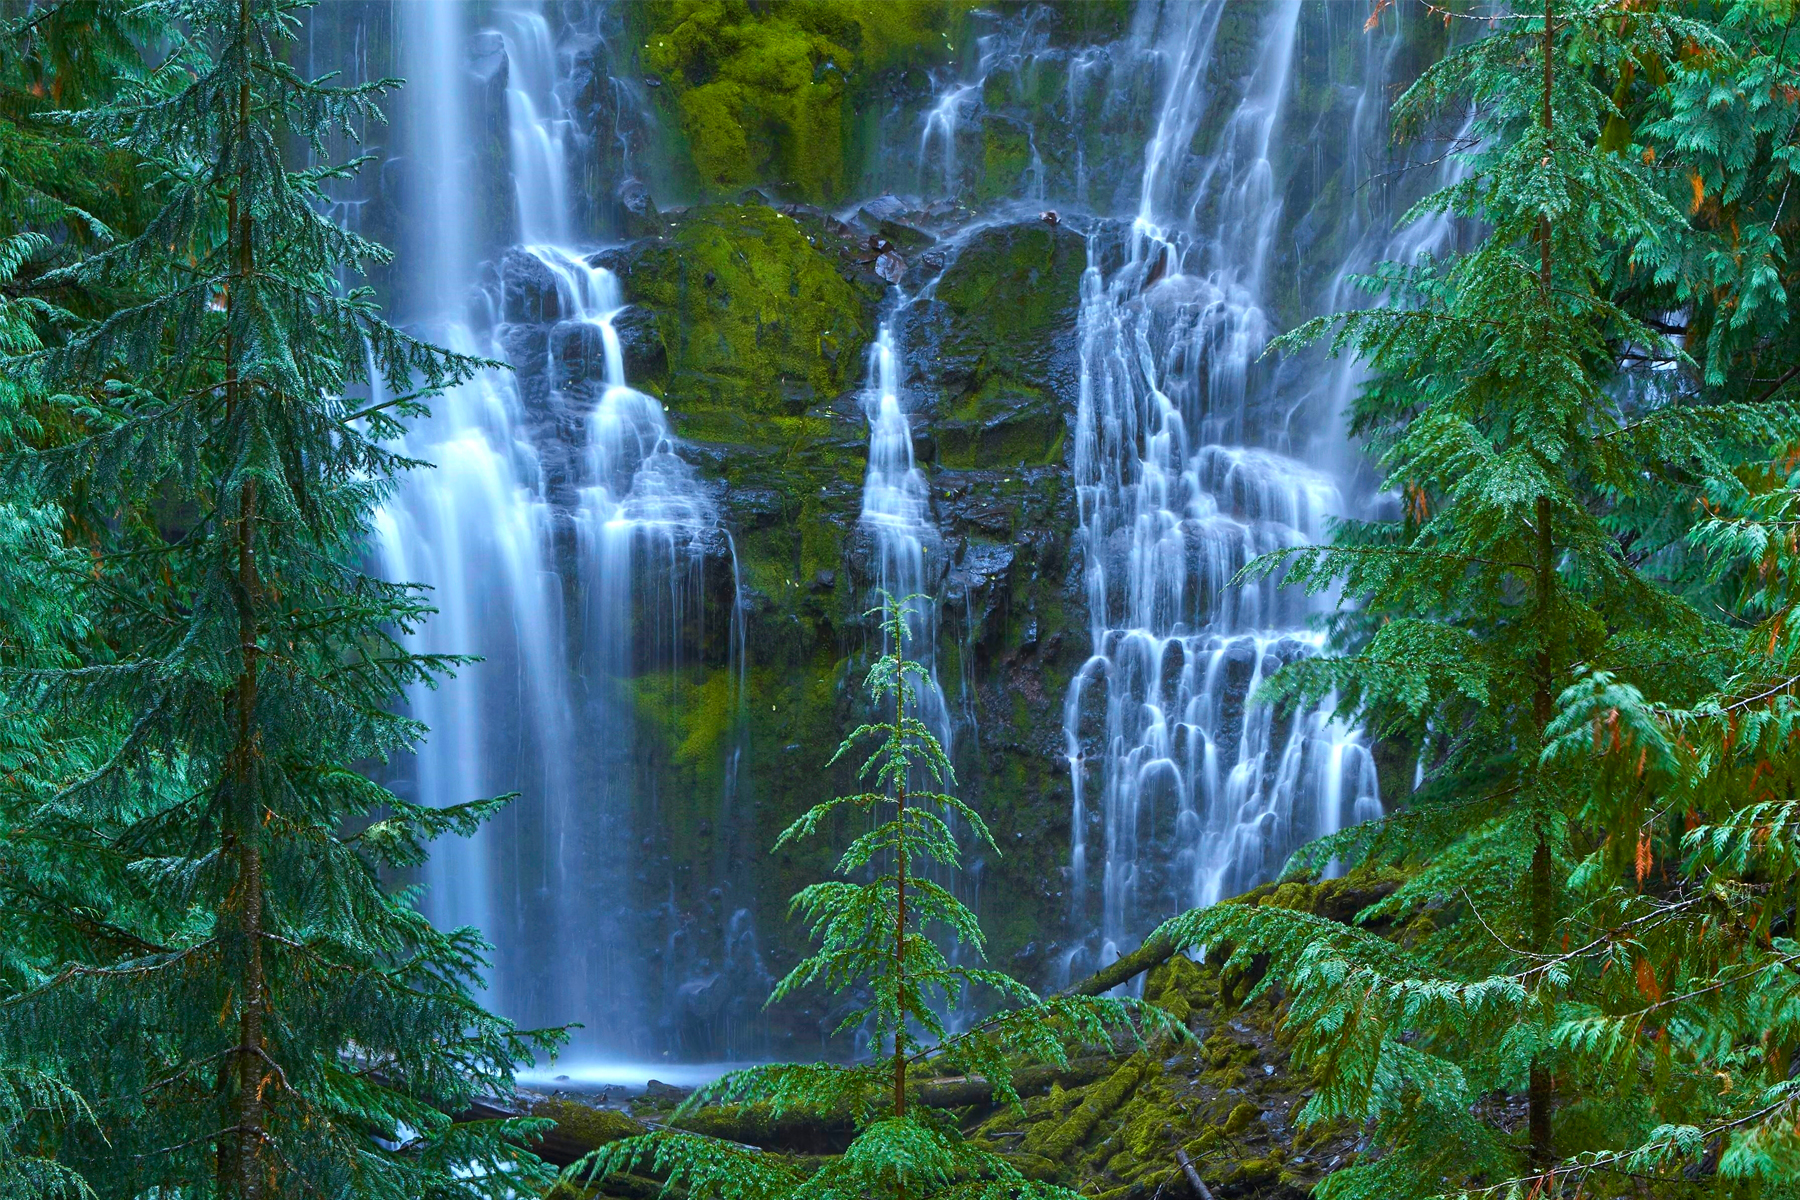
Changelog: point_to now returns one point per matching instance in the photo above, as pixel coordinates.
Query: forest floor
(1114, 1125)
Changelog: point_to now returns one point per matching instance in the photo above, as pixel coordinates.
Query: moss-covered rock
(754, 320)
(1014, 292)
(996, 345)
(768, 93)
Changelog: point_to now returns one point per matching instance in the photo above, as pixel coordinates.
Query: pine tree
(1542, 578)
(883, 939)
(60, 194)
(212, 964)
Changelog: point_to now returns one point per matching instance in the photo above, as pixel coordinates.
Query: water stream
(568, 545)
(586, 553)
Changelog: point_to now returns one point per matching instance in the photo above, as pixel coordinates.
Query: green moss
(1242, 1118)
(1224, 1051)
(591, 1127)
(1060, 1140)
(768, 92)
(746, 308)
(1023, 281)
(1177, 987)
(1001, 425)
(694, 718)
(1005, 157)
(1253, 1172)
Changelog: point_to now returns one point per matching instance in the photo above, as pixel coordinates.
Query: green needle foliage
(882, 931)
(206, 987)
(1594, 991)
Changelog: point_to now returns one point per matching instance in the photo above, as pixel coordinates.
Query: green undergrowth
(1223, 1093)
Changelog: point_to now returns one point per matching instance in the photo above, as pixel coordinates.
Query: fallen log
(964, 1091)
(1193, 1176)
(579, 1129)
(1155, 951)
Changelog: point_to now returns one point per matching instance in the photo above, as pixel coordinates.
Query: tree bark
(1540, 1092)
(1193, 1176)
(242, 1169)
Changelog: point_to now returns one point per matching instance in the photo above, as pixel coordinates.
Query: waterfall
(896, 512)
(567, 544)
(1224, 164)
(1192, 456)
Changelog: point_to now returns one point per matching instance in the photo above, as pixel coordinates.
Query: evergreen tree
(879, 939)
(208, 956)
(1542, 577)
(60, 194)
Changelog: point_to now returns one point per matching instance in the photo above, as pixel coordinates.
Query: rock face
(751, 319)
(993, 350)
(753, 325)
(754, 321)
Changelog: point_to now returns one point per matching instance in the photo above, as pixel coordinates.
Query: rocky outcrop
(754, 320)
(992, 346)
(752, 323)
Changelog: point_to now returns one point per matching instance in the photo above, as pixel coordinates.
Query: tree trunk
(242, 1169)
(1539, 1091)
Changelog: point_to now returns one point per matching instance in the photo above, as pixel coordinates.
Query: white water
(1191, 458)
(550, 711)
(896, 512)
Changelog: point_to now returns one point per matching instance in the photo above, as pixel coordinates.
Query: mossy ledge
(768, 93)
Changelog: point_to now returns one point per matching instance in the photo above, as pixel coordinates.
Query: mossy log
(974, 1091)
(1155, 951)
(1057, 1140)
(580, 1128)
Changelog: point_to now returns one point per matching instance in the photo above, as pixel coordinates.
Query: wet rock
(487, 57)
(577, 352)
(701, 999)
(641, 217)
(641, 344)
(528, 289)
(1015, 290)
(887, 218)
(887, 207)
(525, 347)
(997, 343)
(890, 266)
(754, 507)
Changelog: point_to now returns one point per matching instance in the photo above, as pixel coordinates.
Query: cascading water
(1220, 163)
(579, 576)
(897, 515)
(1190, 461)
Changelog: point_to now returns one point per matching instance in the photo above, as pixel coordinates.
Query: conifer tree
(212, 963)
(60, 194)
(1537, 583)
(881, 932)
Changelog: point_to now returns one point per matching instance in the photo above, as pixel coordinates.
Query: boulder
(528, 294)
(754, 320)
